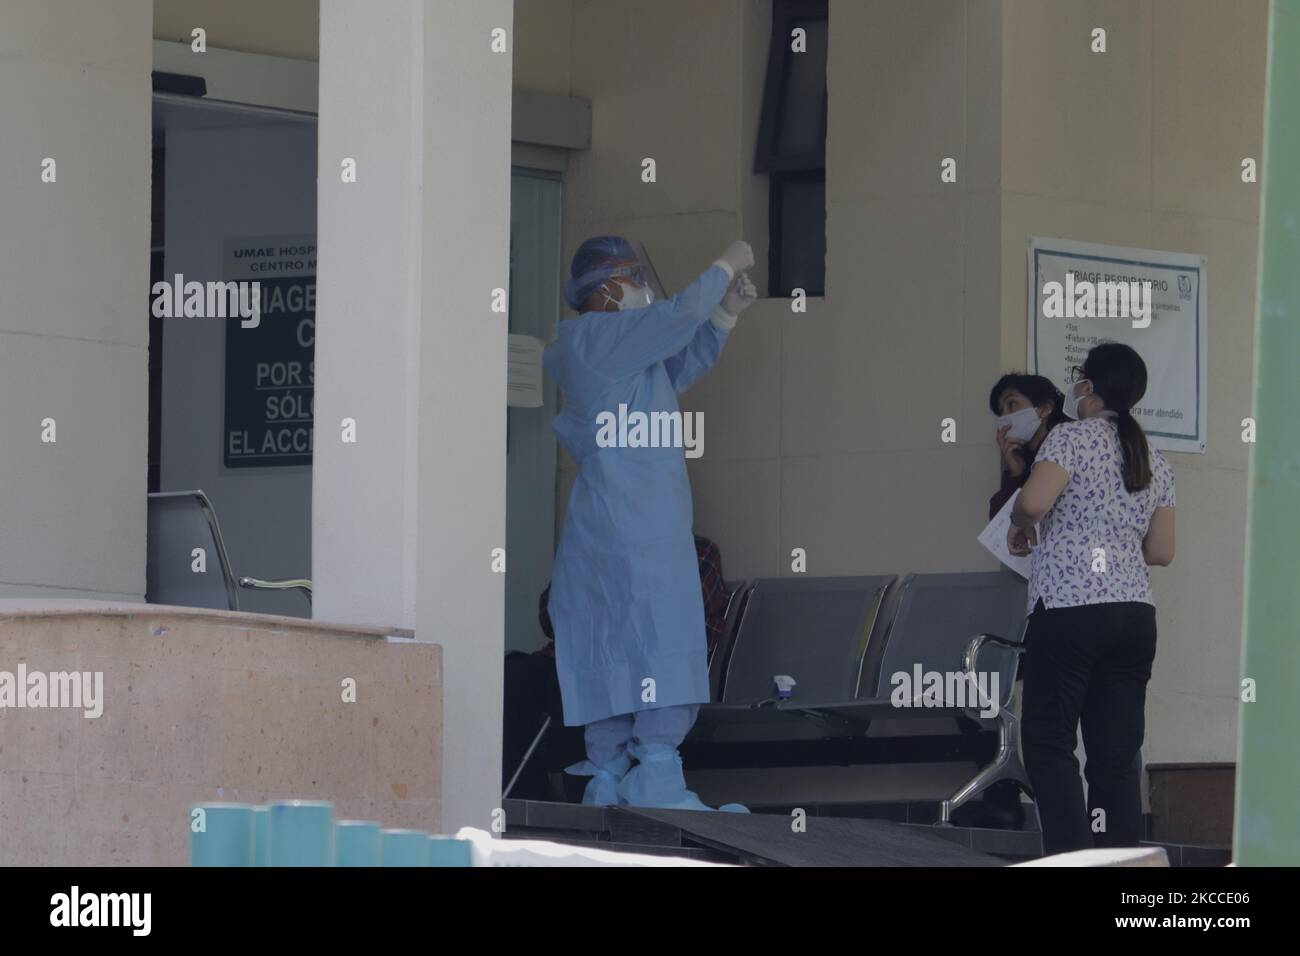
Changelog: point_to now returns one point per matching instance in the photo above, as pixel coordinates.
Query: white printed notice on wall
(1082, 294)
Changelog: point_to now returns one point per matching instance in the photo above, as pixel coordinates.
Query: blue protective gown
(625, 594)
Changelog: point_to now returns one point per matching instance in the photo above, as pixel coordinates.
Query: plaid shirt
(714, 590)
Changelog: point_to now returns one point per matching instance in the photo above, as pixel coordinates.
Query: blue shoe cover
(657, 782)
(602, 789)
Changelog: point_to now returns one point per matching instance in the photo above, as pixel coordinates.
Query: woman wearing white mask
(1028, 407)
(1096, 510)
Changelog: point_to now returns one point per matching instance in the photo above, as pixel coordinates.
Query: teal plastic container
(261, 835)
(301, 833)
(448, 851)
(356, 843)
(404, 848)
(226, 837)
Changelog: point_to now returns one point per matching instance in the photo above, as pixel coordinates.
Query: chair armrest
(970, 662)
(979, 640)
(287, 584)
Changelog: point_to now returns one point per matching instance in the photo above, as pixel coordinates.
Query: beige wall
(907, 333)
(818, 422)
(823, 429)
(681, 101)
(282, 28)
(1142, 146)
(543, 32)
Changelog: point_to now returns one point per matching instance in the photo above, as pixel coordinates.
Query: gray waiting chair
(738, 593)
(972, 623)
(844, 639)
(178, 523)
(815, 630)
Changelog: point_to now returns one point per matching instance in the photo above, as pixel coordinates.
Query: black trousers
(1088, 664)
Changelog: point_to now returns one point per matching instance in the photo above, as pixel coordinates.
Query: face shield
(649, 276)
(604, 262)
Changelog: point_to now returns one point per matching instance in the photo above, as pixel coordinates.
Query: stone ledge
(12, 609)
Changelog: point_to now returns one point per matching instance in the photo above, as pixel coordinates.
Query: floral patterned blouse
(1090, 543)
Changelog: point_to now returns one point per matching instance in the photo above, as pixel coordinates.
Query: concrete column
(1267, 827)
(368, 292)
(74, 307)
(405, 518)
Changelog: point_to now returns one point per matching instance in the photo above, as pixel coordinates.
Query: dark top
(1011, 485)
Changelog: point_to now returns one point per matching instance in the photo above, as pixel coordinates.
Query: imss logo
(102, 909)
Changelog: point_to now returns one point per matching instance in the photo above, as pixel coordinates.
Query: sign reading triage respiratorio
(1075, 291)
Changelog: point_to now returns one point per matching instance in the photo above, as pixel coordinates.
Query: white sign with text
(1082, 294)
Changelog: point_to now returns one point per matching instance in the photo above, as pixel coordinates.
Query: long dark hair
(1119, 379)
(1037, 389)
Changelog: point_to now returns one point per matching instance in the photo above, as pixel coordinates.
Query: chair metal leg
(546, 722)
(1006, 765)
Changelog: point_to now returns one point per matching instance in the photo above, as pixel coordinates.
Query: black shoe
(1000, 809)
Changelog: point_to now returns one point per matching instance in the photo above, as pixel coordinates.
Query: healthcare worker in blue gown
(630, 643)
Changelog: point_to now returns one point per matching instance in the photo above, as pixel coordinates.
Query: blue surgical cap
(596, 261)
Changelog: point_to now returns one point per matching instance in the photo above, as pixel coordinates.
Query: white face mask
(634, 297)
(1024, 423)
(1072, 400)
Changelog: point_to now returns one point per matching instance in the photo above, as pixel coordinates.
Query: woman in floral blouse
(1103, 503)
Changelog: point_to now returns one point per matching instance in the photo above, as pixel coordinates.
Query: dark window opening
(792, 148)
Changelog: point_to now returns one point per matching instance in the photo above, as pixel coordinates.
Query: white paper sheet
(524, 371)
(994, 537)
